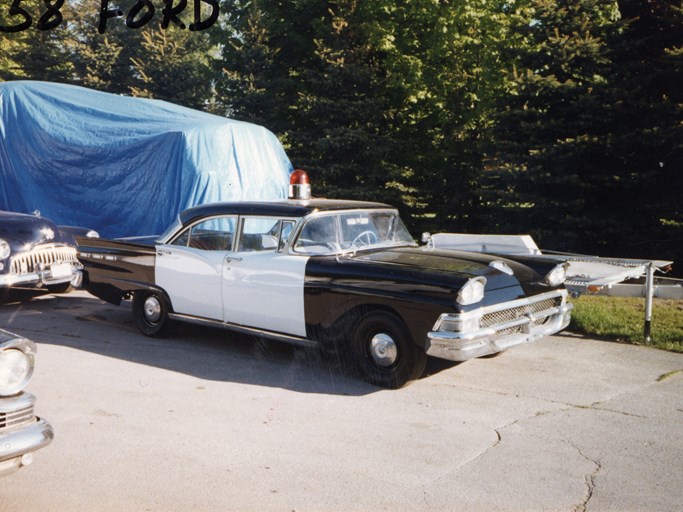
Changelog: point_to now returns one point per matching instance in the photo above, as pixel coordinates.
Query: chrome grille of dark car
(506, 315)
(13, 419)
(27, 263)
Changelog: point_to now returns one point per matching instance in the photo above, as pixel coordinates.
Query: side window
(210, 235)
(259, 234)
(182, 239)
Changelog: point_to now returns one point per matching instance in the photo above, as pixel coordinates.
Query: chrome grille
(507, 315)
(13, 419)
(28, 262)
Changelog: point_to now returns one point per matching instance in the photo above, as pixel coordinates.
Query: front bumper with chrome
(489, 330)
(43, 277)
(21, 433)
(43, 266)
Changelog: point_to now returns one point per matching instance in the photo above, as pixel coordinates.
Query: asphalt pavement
(207, 420)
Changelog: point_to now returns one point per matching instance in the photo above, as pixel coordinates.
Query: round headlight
(4, 249)
(472, 292)
(557, 275)
(16, 368)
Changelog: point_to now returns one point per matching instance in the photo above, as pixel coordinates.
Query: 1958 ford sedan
(340, 274)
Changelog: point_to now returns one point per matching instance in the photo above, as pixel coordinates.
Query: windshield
(333, 233)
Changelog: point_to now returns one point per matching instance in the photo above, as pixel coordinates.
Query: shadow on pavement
(83, 322)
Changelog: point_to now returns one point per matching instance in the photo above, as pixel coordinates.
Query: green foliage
(34, 54)
(587, 146)
(378, 100)
(306, 70)
(173, 65)
(622, 319)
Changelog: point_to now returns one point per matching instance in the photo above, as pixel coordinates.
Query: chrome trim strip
(287, 338)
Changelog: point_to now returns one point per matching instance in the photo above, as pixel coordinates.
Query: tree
(306, 69)
(173, 65)
(546, 172)
(39, 49)
(378, 99)
(591, 130)
(646, 117)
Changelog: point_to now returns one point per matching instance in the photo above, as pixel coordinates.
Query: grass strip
(622, 319)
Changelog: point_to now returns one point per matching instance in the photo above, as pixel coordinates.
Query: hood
(451, 269)
(20, 230)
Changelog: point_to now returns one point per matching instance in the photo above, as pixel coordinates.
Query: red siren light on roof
(299, 186)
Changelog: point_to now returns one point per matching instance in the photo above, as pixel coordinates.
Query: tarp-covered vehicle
(124, 166)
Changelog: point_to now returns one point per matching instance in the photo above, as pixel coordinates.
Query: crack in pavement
(589, 478)
(594, 406)
(623, 413)
(424, 498)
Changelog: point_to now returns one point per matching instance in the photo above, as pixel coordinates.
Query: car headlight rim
(16, 370)
(557, 276)
(472, 291)
(5, 249)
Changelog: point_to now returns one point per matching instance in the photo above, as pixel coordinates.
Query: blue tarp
(126, 166)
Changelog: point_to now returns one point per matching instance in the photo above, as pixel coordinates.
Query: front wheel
(150, 312)
(385, 352)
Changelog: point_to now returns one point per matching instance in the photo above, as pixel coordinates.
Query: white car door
(190, 268)
(263, 287)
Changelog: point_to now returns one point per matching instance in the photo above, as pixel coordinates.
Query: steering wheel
(365, 238)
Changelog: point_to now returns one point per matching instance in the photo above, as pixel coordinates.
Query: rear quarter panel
(113, 268)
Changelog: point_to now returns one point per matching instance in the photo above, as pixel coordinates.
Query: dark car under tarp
(126, 166)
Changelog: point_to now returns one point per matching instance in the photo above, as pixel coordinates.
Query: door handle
(162, 252)
(228, 259)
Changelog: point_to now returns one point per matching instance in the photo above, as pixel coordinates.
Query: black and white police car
(340, 274)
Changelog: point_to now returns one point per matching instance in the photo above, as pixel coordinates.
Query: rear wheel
(384, 351)
(150, 312)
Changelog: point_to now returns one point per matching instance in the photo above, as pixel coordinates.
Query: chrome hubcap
(152, 309)
(383, 349)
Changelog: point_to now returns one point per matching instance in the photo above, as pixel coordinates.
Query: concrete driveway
(210, 421)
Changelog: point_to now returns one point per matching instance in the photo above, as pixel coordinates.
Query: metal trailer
(585, 274)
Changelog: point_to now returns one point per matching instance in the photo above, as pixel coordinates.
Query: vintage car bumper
(495, 328)
(21, 433)
(45, 276)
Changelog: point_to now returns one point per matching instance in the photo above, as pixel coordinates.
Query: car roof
(283, 208)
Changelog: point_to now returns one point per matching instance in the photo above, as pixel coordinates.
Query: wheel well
(344, 325)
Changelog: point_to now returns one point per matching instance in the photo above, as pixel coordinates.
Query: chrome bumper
(42, 278)
(17, 443)
(465, 345)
